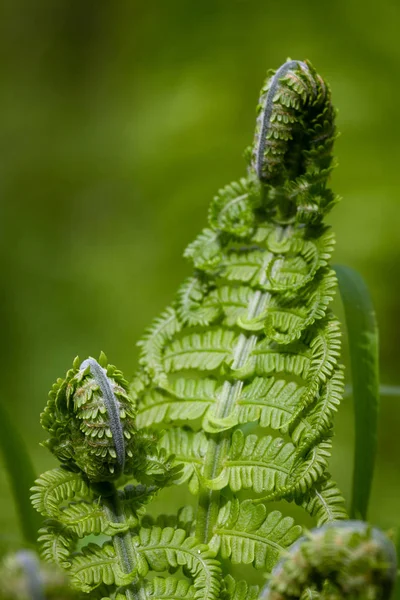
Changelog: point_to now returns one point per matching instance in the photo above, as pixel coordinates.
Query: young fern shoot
(241, 375)
(251, 338)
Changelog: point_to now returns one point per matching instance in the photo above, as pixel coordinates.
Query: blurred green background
(119, 121)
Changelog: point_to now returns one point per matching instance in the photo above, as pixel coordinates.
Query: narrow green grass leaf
(21, 475)
(362, 331)
(385, 391)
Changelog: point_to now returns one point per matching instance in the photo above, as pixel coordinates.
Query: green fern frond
(55, 487)
(232, 209)
(287, 318)
(325, 502)
(169, 588)
(240, 590)
(192, 309)
(269, 401)
(84, 518)
(189, 449)
(318, 418)
(248, 534)
(232, 302)
(309, 470)
(169, 548)
(181, 399)
(268, 357)
(96, 565)
(205, 251)
(262, 464)
(153, 342)
(57, 544)
(297, 263)
(246, 265)
(204, 351)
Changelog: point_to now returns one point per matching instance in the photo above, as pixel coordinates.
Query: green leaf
(182, 399)
(325, 502)
(21, 478)
(305, 474)
(189, 449)
(168, 548)
(363, 345)
(318, 418)
(54, 487)
(204, 351)
(232, 209)
(192, 308)
(56, 543)
(262, 464)
(270, 401)
(248, 534)
(240, 590)
(168, 588)
(152, 344)
(96, 565)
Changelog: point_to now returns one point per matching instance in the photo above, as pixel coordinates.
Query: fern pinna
(240, 375)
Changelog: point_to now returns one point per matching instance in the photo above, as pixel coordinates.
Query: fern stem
(207, 514)
(122, 542)
(218, 445)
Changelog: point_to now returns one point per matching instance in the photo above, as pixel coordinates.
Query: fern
(238, 383)
(364, 551)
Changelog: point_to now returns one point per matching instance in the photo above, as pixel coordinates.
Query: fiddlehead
(251, 337)
(90, 417)
(334, 561)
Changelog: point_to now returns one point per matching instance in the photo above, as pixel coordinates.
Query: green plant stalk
(21, 478)
(122, 542)
(209, 501)
(364, 356)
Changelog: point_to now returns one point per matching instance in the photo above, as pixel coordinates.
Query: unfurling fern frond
(338, 560)
(254, 339)
(91, 420)
(249, 344)
(250, 534)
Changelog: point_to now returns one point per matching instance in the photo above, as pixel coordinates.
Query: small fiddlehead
(90, 417)
(338, 560)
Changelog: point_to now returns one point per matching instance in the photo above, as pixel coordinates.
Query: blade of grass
(385, 391)
(362, 331)
(20, 473)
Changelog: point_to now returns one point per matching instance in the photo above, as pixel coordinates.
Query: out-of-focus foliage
(120, 120)
(23, 576)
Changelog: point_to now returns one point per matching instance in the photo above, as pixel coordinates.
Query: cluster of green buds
(90, 417)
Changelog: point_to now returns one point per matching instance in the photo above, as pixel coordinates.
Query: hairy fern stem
(122, 542)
